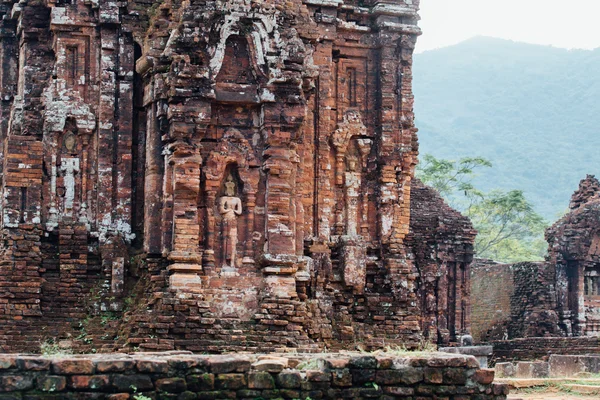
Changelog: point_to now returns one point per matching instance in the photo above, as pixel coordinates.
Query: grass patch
(561, 387)
(51, 347)
(312, 364)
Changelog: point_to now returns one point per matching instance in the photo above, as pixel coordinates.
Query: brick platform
(186, 376)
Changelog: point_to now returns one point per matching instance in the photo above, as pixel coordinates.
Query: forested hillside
(534, 111)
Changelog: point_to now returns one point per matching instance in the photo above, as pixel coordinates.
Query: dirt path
(545, 396)
(548, 395)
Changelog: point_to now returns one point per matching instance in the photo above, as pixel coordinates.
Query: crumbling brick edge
(184, 375)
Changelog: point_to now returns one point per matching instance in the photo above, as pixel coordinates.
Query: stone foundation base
(184, 375)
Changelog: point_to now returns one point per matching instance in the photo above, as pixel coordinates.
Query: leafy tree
(509, 227)
(449, 177)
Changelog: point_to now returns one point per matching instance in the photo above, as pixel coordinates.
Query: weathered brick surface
(218, 176)
(442, 242)
(574, 252)
(536, 348)
(513, 301)
(400, 377)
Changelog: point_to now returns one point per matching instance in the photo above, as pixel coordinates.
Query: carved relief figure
(230, 207)
(69, 168)
(66, 175)
(352, 183)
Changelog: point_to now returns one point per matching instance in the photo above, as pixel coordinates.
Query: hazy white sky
(561, 23)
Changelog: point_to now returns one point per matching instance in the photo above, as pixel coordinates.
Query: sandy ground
(549, 395)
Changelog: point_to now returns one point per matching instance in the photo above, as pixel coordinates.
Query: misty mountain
(534, 111)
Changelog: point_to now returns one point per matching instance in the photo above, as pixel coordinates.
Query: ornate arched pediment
(197, 47)
(349, 127)
(232, 149)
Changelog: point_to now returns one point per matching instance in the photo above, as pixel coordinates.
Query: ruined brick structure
(442, 241)
(574, 251)
(556, 298)
(513, 301)
(216, 175)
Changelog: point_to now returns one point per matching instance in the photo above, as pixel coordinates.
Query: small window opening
(72, 66)
(351, 72)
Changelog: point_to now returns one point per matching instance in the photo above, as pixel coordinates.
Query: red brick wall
(491, 290)
(513, 301)
(537, 348)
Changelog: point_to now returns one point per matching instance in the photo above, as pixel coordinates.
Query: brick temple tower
(250, 161)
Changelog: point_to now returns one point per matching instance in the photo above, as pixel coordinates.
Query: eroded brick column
(184, 163)
(153, 188)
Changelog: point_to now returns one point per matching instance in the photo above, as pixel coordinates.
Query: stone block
(536, 369)
(12, 383)
(126, 383)
(7, 362)
(455, 376)
(505, 370)
(33, 363)
(152, 366)
(260, 380)
(230, 381)
(225, 364)
(171, 385)
(271, 365)
(362, 376)
(203, 382)
(72, 366)
(433, 375)
(51, 383)
(341, 377)
(562, 366)
(363, 362)
(103, 366)
(318, 376)
(484, 376)
(89, 382)
(289, 379)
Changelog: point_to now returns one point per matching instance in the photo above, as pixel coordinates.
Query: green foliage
(449, 176)
(138, 396)
(531, 110)
(509, 229)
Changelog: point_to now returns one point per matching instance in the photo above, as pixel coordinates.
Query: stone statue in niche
(352, 184)
(69, 167)
(230, 207)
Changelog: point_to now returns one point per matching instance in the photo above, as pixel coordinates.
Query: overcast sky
(560, 23)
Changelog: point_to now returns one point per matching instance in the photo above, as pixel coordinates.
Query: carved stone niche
(68, 181)
(238, 77)
(351, 126)
(231, 174)
(352, 148)
(353, 251)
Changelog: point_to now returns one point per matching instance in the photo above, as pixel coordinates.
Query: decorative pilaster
(185, 162)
